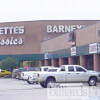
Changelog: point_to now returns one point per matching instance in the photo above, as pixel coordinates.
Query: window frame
(81, 68)
(73, 68)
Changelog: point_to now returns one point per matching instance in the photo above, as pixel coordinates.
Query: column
(96, 62)
(61, 61)
(83, 61)
(55, 62)
(70, 60)
(47, 62)
(41, 63)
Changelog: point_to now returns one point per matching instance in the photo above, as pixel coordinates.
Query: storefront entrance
(90, 62)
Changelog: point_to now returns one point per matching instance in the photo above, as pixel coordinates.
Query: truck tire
(92, 81)
(43, 85)
(29, 82)
(50, 83)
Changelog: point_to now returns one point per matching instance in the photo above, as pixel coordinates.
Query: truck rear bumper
(33, 79)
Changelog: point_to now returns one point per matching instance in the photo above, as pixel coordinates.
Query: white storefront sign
(73, 51)
(11, 31)
(46, 56)
(98, 47)
(62, 28)
(11, 41)
(93, 48)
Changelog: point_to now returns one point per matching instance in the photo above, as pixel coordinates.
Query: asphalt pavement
(13, 89)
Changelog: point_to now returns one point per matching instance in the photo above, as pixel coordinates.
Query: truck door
(62, 75)
(81, 74)
(71, 75)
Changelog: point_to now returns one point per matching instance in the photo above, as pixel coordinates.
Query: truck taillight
(38, 75)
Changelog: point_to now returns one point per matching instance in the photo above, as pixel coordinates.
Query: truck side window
(78, 69)
(45, 69)
(62, 68)
(71, 69)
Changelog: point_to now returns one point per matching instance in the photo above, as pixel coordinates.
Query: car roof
(70, 65)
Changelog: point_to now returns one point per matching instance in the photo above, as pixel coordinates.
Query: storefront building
(52, 42)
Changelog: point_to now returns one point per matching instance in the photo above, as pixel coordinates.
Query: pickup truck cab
(69, 73)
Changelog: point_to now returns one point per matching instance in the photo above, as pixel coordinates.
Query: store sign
(98, 47)
(46, 56)
(93, 48)
(12, 32)
(73, 51)
(62, 28)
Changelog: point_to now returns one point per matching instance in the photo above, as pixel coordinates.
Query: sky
(30, 10)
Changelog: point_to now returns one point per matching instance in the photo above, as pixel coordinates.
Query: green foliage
(9, 63)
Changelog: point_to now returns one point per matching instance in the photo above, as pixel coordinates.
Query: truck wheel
(50, 83)
(43, 85)
(92, 81)
(29, 82)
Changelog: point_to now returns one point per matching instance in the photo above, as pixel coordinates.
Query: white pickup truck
(68, 73)
(28, 76)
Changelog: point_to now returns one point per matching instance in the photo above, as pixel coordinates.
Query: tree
(9, 63)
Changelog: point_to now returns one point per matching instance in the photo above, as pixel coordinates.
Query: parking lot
(13, 89)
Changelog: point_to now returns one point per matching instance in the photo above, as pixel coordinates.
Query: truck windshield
(22, 69)
(52, 70)
(37, 69)
(34, 69)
